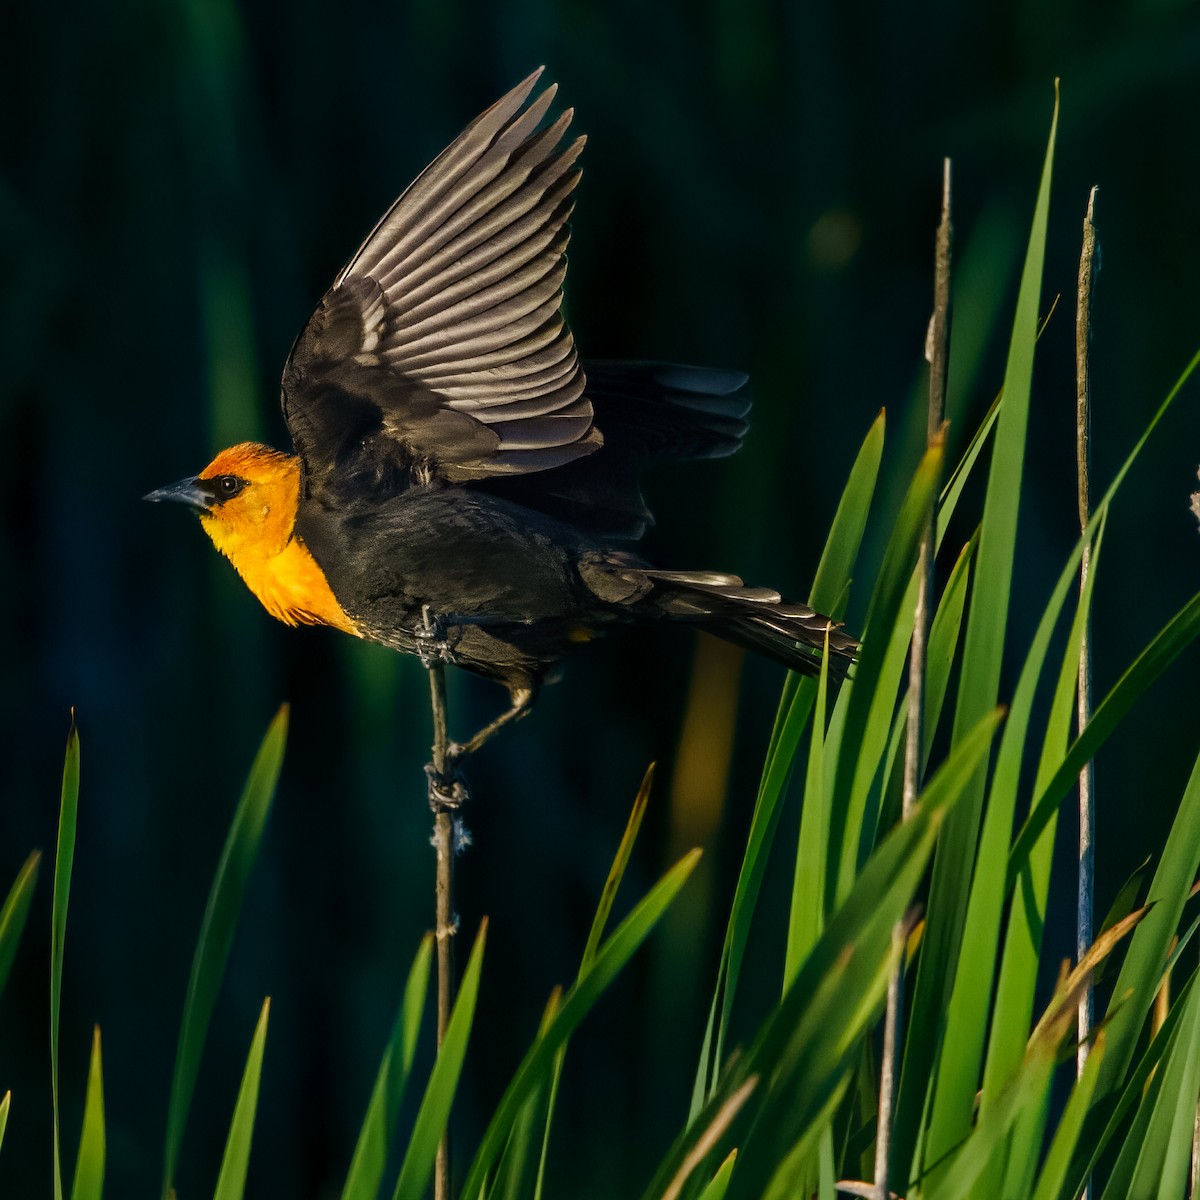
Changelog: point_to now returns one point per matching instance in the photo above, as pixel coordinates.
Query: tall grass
(986, 1105)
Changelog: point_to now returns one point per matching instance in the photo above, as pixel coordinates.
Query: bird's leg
(433, 646)
(522, 705)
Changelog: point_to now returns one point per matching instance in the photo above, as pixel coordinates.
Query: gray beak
(187, 491)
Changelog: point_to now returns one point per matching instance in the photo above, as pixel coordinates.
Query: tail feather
(667, 410)
(757, 618)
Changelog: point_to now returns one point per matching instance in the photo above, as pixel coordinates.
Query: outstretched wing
(440, 350)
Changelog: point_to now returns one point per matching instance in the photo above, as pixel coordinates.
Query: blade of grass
(231, 1182)
(383, 1110)
(64, 858)
(943, 643)
(809, 1044)
(538, 1064)
(966, 1019)
(4, 1107)
(978, 686)
(1051, 1182)
(15, 913)
(1161, 652)
(872, 701)
(1022, 946)
(1167, 645)
(719, 1183)
(434, 1112)
(1165, 1153)
(217, 930)
(89, 1164)
(849, 522)
(603, 911)
(806, 915)
(1108, 1116)
(1138, 979)
(832, 579)
(1025, 1094)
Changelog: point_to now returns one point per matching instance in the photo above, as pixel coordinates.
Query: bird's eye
(228, 486)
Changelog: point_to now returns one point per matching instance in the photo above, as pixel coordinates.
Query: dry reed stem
(937, 353)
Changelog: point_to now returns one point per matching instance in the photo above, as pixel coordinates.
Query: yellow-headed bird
(453, 453)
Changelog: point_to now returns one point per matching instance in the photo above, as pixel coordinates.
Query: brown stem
(1083, 420)
(937, 352)
(443, 844)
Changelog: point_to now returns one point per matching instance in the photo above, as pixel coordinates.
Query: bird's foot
(433, 644)
(448, 788)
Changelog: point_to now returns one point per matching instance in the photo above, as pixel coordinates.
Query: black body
(457, 455)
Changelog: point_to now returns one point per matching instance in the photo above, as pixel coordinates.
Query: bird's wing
(441, 348)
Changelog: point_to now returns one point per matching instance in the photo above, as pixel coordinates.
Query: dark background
(179, 183)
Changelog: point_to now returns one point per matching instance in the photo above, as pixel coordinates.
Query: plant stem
(1083, 421)
(937, 353)
(1087, 803)
(443, 845)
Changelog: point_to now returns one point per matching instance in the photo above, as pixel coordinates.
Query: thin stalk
(443, 845)
(1083, 430)
(1084, 900)
(937, 353)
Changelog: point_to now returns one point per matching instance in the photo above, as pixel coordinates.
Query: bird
(462, 486)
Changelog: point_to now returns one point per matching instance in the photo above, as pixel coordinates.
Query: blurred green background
(179, 183)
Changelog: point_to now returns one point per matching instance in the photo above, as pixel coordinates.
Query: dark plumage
(454, 453)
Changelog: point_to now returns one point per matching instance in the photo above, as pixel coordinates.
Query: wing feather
(448, 318)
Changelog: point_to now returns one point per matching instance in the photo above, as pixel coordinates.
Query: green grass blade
(15, 913)
(1051, 1182)
(872, 699)
(943, 643)
(830, 584)
(1169, 643)
(217, 930)
(5, 1104)
(957, 1075)
(617, 872)
(958, 1175)
(1107, 1119)
(809, 1044)
(1148, 950)
(1027, 916)
(1166, 1148)
(231, 1182)
(979, 683)
(599, 921)
(434, 1112)
(849, 523)
(719, 1184)
(537, 1067)
(64, 858)
(806, 914)
(89, 1165)
(369, 1163)
(763, 824)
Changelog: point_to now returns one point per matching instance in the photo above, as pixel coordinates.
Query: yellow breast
(292, 587)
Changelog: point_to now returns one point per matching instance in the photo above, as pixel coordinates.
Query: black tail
(645, 411)
(756, 618)
(666, 410)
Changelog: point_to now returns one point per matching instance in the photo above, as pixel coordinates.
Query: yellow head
(246, 498)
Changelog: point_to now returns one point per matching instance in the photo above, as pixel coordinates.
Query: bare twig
(443, 845)
(937, 352)
(1083, 422)
(1087, 803)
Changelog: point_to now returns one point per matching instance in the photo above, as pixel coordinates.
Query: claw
(447, 789)
(432, 643)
